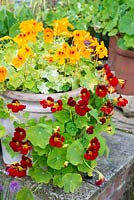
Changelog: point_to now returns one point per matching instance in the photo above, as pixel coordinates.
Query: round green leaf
(57, 158)
(40, 175)
(57, 180)
(71, 129)
(62, 116)
(75, 153)
(72, 181)
(24, 193)
(39, 135)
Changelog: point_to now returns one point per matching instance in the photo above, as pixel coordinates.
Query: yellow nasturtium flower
(101, 50)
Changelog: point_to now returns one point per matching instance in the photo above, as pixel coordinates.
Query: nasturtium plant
(64, 146)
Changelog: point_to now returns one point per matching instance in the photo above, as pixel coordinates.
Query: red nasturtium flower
(101, 91)
(57, 106)
(112, 79)
(107, 108)
(103, 120)
(16, 106)
(81, 108)
(15, 144)
(121, 101)
(100, 181)
(85, 95)
(56, 140)
(71, 101)
(92, 151)
(19, 134)
(95, 144)
(16, 170)
(25, 147)
(90, 129)
(49, 102)
(26, 162)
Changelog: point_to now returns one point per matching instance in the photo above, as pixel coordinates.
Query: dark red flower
(49, 102)
(95, 144)
(16, 170)
(107, 108)
(81, 108)
(56, 140)
(15, 144)
(90, 129)
(57, 106)
(101, 91)
(113, 80)
(103, 120)
(91, 154)
(19, 134)
(107, 68)
(71, 101)
(26, 162)
(85, 95)
(100, 181)
(16, 106)
(121, 101)
(25, 147)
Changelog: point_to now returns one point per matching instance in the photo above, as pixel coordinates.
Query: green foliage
(2, 131)
(71, 182)
(24, 193)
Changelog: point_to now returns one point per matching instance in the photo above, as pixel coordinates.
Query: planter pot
(33, 107)
(122, 62)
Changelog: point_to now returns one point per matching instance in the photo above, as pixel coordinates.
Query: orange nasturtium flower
(48, 35)
(61, 27)
(3, 73)
(31, 26)
(74, 55)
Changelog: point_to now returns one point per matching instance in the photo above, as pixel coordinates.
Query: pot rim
(122, 52)
(37, 97)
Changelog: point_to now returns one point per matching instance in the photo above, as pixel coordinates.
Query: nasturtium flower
(112, 79)
(56, 140)
(16, 170)
(101, 50)
(121, 101)
(3, 74)
(57, 106)
(101, 91)
(92, 151)
(25, 147)
(48, 35)
(15, 144)
(81, 108)
(101, 180)
(61, 27)
(107, 108)
(19, 134)
(71, 101)
(18, 60)
(95, 144)
(90, 129)
(26, 162)
(91, 154)
(49, 102)
(85, 95)
(16, 106)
